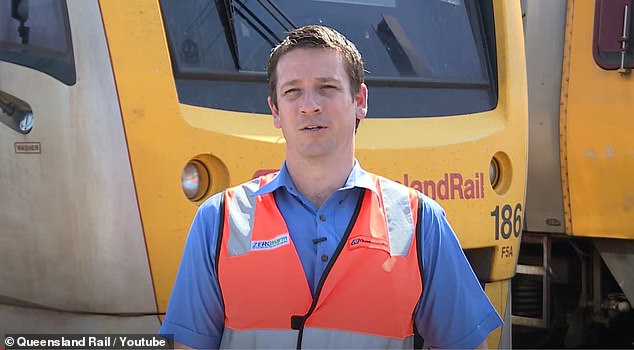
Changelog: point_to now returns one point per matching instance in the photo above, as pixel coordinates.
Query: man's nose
(310, 102)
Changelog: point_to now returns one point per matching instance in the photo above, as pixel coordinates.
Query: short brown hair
(315, 36)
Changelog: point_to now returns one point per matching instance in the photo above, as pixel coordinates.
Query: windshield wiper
(260, 25)
(271, 38)
(290, 25)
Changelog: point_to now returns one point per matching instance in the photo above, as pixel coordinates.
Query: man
(323, 254)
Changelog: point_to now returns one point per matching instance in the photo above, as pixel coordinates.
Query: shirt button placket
(323, 257)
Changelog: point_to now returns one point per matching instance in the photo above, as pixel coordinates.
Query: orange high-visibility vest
(366, 297)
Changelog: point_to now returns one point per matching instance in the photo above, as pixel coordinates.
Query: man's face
(315, 107)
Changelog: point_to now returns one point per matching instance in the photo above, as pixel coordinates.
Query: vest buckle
(297, 322)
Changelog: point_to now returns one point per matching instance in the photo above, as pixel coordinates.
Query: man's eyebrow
(328, 79)
(293, 82)
(289, 83)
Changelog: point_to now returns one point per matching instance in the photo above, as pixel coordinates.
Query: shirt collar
(357, 178)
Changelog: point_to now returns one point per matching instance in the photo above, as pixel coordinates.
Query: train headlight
(494, 172)
(501, 173)
(195, 180)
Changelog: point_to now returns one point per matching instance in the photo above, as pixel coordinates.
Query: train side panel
(72, 243)
(574, 280)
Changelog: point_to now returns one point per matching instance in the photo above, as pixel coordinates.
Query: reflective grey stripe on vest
(400, 222)
(259, 339)
(312, 338)
(241, 217)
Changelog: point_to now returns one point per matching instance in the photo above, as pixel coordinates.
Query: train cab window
(422, 58)
(36, 34)
(612, 44)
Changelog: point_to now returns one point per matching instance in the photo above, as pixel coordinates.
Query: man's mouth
(313, 128)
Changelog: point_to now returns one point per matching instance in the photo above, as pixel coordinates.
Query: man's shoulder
(218, 198)
(395, 184)
(426, 201)
(251, 186)
(212, 204)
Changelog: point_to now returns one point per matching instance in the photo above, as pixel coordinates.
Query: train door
(71, 241)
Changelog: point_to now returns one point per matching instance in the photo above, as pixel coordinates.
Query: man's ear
(275, 112)
(361, 101)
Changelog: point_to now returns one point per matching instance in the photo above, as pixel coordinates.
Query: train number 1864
(508, 220)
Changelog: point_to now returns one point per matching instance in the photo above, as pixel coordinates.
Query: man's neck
(317, 180)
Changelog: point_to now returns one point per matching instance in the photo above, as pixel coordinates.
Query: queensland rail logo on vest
(274, 243)
(367, 242)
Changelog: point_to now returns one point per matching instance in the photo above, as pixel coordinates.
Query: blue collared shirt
(453, 311)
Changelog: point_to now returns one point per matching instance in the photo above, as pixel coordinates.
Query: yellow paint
(598, 148)
(497, 292)
(161, 139)
(563, 116)
(163, 135)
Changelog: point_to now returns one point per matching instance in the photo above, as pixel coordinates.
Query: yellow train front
(147, 108)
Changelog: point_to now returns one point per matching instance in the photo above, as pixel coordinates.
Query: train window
(36, 34)
(422, 58)
(612, 47)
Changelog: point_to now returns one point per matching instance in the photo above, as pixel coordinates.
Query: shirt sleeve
(195, 314)
(454, 312)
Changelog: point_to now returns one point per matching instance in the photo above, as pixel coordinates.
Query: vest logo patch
(274, 243)
(368, 242)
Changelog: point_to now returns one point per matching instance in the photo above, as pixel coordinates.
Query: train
(574, 285)
(119, 118)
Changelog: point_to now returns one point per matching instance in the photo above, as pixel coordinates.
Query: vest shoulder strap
(241, 209)
(397, 202)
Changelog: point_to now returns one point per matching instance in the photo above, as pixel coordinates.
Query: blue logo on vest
(274, 243)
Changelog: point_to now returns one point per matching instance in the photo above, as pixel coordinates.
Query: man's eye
(328, 87)
(291, 91)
